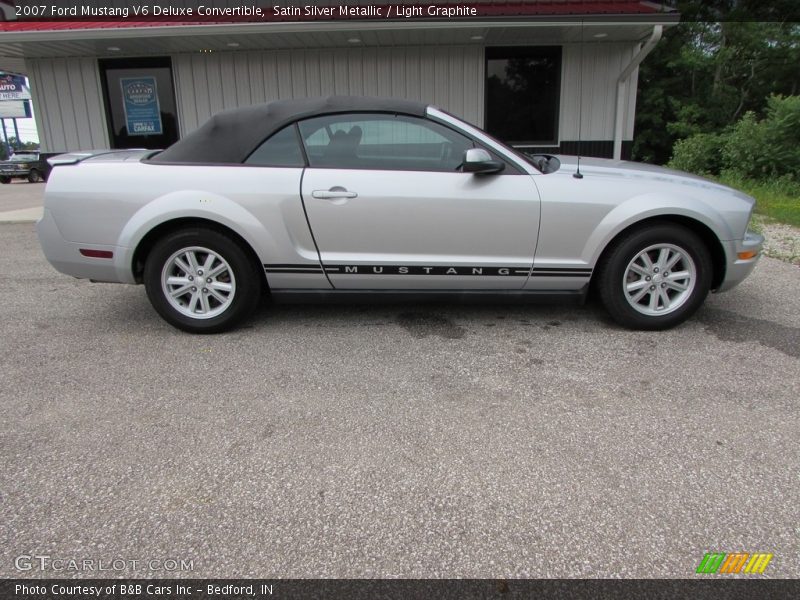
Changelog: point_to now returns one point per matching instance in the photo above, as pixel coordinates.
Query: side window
(282, 149)
(381, 141)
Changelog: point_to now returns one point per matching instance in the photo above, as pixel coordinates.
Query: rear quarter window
(282, 149)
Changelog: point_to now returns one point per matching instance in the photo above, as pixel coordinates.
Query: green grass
(777, 199)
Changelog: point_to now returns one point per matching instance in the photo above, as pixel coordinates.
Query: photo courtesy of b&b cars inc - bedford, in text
(359, 299)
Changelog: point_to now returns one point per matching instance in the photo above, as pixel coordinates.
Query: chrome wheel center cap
(657, 277)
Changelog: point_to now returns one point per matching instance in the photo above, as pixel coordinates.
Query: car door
(389, 207)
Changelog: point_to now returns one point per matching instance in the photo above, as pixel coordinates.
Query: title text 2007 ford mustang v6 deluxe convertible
(376, 195)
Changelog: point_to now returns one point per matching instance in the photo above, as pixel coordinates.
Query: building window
(140, 102)
(523, 90)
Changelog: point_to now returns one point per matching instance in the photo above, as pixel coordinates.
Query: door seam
(311, 229)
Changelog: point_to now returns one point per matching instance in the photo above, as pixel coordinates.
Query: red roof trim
(545, 8)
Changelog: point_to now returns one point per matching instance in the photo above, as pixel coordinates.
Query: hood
(603, 167)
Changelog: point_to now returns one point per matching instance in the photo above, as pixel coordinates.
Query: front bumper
(737, 269)
(65, 256)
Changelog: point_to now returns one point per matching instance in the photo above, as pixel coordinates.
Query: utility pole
(5, 135)
(16, 132)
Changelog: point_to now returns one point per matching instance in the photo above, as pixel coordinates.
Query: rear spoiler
(72, 158)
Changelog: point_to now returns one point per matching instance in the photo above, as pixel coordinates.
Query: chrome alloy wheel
(659, 280)
(198, 282)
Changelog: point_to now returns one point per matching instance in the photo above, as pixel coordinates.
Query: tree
(719, 63)
(20, 145)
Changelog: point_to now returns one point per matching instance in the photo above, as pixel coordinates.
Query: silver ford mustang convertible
(348, 194)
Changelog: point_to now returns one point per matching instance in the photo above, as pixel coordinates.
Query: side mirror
(480, 162)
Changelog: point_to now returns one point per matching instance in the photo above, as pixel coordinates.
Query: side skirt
(575, 297)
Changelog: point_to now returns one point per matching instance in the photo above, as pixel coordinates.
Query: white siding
(602, 65)
(450, 77)
(69, 109)
(68, 103)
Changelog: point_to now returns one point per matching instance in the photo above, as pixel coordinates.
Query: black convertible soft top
(230, 136)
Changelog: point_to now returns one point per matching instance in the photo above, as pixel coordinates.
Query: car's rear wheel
(201, 281)
(34, 176)
(655, 277)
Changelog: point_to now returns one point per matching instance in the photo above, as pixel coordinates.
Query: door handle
(334, 192)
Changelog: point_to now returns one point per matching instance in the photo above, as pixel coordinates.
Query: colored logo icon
(736, 562)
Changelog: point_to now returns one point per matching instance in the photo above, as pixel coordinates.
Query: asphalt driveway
(417, 440)
(19, 194)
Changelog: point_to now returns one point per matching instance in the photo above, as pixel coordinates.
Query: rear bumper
(66, 258)
(738, 269)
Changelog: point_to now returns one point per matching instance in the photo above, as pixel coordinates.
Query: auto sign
(12, 87)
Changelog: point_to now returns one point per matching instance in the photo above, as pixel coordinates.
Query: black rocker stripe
(562, 269)
(471, 271)
(306, 268)
(560, 272)
(302, 266)
(537, 273)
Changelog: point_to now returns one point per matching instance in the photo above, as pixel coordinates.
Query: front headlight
(749, 222)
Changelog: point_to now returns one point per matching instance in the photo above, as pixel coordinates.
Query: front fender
(648, 206)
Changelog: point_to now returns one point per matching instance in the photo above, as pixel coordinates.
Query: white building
(546, 77)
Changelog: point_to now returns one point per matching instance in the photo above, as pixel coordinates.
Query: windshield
(25, 157)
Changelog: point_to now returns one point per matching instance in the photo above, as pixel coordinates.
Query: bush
(753, 149)
(700, 153)
(782, 136)
(744, 150)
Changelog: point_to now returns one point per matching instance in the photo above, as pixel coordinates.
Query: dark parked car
(23, 165)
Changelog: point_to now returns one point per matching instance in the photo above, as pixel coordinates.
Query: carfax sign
(140, 99)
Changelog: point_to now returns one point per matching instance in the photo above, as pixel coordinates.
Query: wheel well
(149, 241)
(709, 238)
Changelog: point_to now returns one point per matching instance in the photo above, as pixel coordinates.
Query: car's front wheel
(655, 277)
(5, 180)
(201, 281)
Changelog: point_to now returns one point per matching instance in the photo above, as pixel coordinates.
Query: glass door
(140, 102)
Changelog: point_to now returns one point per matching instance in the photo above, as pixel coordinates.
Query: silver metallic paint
(423, 219)
(112, 201)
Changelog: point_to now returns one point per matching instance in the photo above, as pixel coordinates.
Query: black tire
(612, 275)
(34, 176)
(248, 278)
(5, 180)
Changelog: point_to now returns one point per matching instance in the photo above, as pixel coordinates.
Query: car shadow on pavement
(447, 317)
(732, 327)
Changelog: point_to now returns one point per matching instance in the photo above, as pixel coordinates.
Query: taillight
(96, 253)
